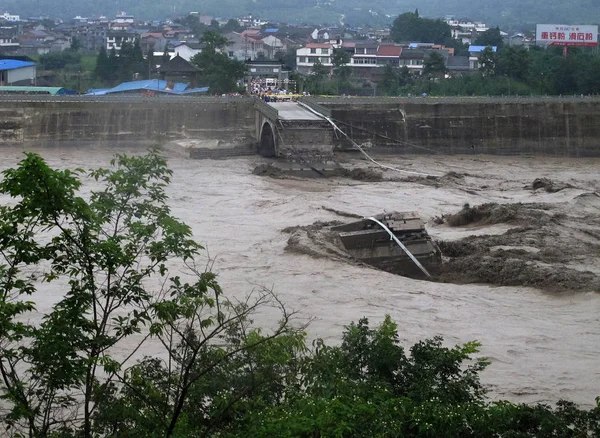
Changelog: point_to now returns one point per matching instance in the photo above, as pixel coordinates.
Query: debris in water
(548, 185)
(364, 241)
(268, 170)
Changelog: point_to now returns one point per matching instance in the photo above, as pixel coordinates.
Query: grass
(88, 62)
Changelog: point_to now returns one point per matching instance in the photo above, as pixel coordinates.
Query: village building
(15, 72)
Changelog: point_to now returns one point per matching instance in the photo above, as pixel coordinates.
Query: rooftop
(12, 64)
(477, 49)
(157, 85)
(389, 50)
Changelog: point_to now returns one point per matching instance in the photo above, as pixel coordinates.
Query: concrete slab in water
(293, 111)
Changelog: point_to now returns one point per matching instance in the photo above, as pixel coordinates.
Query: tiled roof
(319, 46)
(389, 51)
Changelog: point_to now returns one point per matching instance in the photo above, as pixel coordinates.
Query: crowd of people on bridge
(270, 90)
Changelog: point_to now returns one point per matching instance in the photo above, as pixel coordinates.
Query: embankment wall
(509, 126)
(48, 122)
(537, 126)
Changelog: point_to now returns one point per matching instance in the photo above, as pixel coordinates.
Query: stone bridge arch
(267, 144)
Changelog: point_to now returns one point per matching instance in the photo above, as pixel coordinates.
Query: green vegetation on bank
(127, 272)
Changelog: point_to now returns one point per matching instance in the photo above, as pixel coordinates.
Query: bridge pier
(288, 131)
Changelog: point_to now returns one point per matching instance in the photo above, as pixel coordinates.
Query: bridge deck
(293, 111)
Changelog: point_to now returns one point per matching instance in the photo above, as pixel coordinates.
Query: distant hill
(507, 13)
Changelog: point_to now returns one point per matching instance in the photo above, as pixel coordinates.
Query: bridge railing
(266, 109)
(312, 103)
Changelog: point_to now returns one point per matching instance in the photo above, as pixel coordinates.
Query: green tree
(112, 64)
(288, 57)
(94, 248)
(60, 377)
(151, 62)
(514, 62)
(410, 27)
(491, 37)
(231, 26)
(434, 64)
(487, 62)
(340, 59)
(165, 56)
(75, 44)
(318, 74)
(59, 60)
(103, 68)
(371, 386)
(214, 26)
(389, 80)
(217, 71)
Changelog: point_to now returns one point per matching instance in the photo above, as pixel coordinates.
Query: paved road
(293, 111)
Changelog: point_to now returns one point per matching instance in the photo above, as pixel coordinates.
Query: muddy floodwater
(543, 341)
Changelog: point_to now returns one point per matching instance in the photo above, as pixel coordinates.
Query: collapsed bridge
(220, 127)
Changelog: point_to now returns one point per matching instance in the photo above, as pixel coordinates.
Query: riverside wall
(222, 127)
(566, 126)
(216, 127)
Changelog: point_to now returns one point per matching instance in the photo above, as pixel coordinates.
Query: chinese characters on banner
(562, 35)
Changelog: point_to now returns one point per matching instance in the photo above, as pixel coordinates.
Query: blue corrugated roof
(480, 48)
(11, 64)
(196, 90)
(178, 87)
(149, 85)
(271, 30)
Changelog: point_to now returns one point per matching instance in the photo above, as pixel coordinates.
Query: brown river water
(543, 346)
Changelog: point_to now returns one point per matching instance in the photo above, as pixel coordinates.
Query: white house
(123, 18)
(465, 30)
(8, 42)
(13, 72)
(116, 39)
(187, 50)
(245, 45)
(12, 18)
(272, 45)
(308, 55)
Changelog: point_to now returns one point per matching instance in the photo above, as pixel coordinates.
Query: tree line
(511, 70)
(129, 276)
(501, 69)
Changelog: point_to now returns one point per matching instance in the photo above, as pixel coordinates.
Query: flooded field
(538, 320)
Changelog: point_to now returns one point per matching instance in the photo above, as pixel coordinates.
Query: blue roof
(476, 49)
(148, 85)
(196, 90)
(11, 64)
(271, 30)
(417, 45)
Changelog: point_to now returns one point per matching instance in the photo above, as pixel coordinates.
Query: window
(324, 51)
(365, 60)
(313, 51)
(372, 51)
(324, 60)
(231, 54)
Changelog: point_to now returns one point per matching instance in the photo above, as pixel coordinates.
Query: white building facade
(14, 72)
(12, 18)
